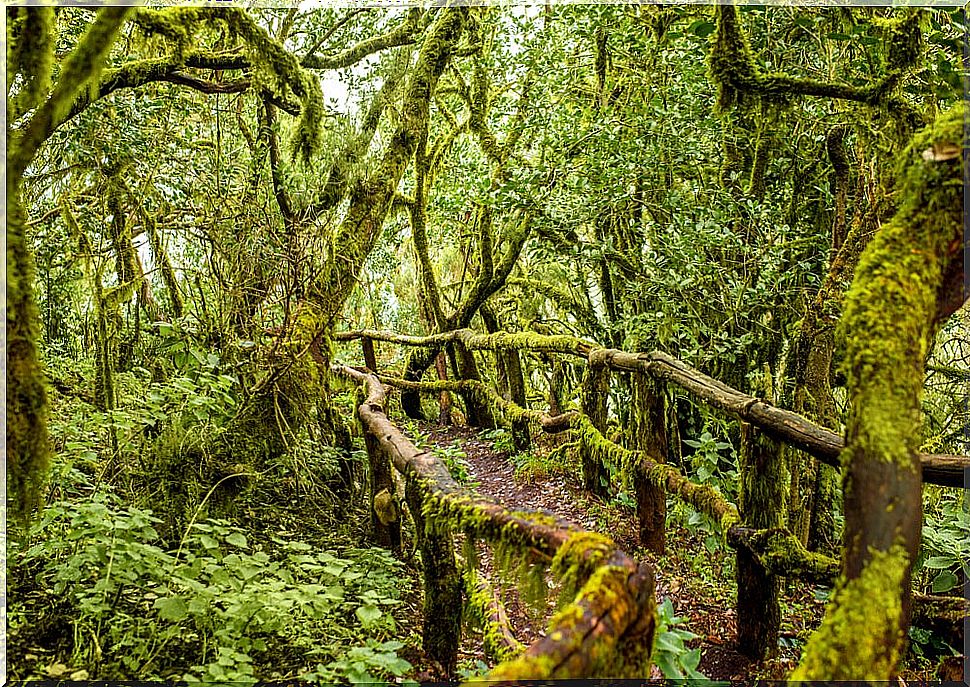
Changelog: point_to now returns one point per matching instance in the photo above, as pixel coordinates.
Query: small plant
(946, 545)
(454, 459)
(671, 655)
(501, 439)
(707, 458)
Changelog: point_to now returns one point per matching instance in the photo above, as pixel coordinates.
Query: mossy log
(779, 424)
(782, 553)
(946, 616)
(610, 624)
(606, 632)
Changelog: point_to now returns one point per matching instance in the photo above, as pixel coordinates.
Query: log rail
(611, 620)
(765, 549)
(782, 425)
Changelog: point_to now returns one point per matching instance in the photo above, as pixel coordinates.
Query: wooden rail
(766, 550)
(609, 623)
(782, 425)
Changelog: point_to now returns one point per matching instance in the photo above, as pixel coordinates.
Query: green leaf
(944, 582)
(668, 641)
(171, 608)
(369, 614)
(939, 562)
(237, 539)
(668, 666)
(703, 29)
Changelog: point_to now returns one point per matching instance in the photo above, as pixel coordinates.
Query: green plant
(219, 608)
(501, 439)
(670, 653)
(454, 458)
(945, 552)
(708, 459)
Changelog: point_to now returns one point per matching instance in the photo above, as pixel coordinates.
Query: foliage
(943, 561)
(218, 608)
(670, 652)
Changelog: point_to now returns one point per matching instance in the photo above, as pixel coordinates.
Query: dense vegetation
(203, 203)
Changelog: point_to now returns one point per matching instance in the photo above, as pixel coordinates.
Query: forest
(515, 342)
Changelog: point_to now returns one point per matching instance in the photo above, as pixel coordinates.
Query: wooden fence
(608, 629)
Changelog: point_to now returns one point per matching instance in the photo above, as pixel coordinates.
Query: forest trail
(491, 473)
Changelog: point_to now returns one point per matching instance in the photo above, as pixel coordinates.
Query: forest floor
(696, 573)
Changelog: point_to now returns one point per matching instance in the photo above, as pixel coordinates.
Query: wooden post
(370, 359)
(441, 633)
(761, 505)
(650, 434)
(444, 398)
(385, 523)
(594, 395)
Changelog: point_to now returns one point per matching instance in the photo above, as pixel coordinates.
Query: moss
(577, 559)
(860, 635)
(28, 446)
(275, 68)
(165, 264)
(32, 37)
(567, 652)
(481, 607)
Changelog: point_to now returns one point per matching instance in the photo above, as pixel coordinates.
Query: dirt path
(492, 474)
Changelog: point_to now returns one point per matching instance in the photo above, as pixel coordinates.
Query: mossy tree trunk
(31, 41)
(510, 381)
(901, 292)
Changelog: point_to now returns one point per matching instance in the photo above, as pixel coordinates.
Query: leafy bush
(216, 609)
(670, 653)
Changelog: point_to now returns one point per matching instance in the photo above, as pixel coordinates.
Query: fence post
(441, 633)
(650, 434)
(370, 359)
(594, 393)
(761, 505)
(385, 523)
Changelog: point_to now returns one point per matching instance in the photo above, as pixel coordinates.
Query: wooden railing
(765, 549)
(607, 626)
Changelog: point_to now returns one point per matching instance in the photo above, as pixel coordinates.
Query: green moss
(860, 634)
(28, 446)
(577, 559)
(275, 68)
(481, 606)
(32, 35)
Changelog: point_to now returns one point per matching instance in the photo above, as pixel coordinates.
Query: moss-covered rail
(606, 629)
(766, 550)
(780, 424)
